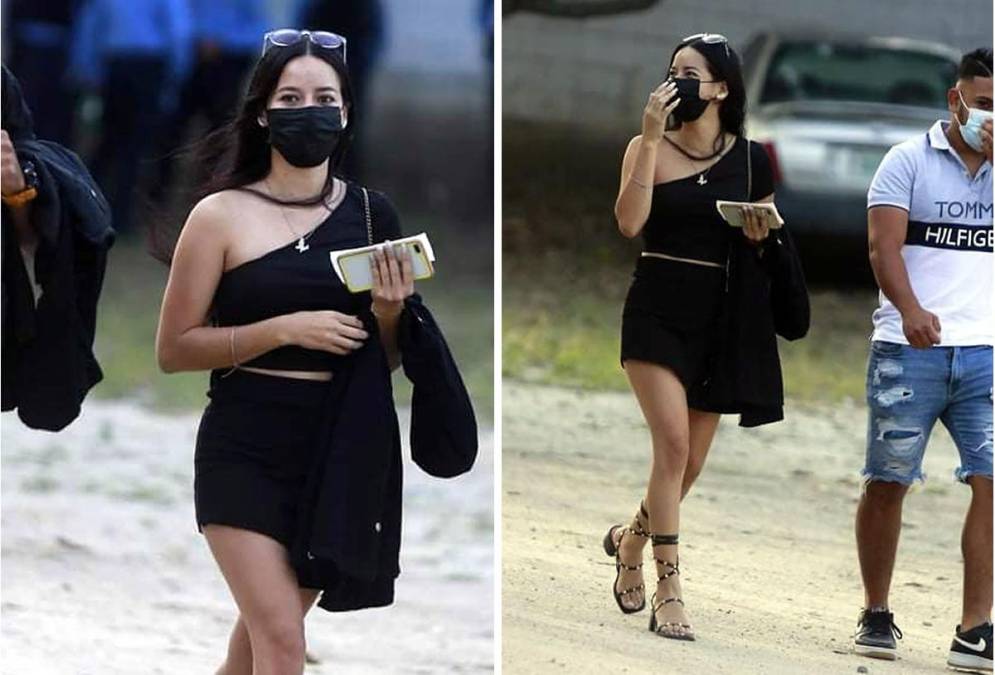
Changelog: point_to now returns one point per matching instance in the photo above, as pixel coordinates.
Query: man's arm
(887, 227)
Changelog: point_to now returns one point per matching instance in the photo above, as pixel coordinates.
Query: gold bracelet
(231, 343)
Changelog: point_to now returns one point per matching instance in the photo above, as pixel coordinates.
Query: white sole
(875, 652)
(969, 662)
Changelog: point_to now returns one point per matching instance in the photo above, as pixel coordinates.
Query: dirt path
(103, 571)
(769, 566)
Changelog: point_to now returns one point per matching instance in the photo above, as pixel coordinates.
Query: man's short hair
(975, 64)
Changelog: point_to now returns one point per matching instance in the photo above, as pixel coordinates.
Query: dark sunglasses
(286, 37)
(708, 39)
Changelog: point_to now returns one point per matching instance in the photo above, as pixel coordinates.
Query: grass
(129, 312)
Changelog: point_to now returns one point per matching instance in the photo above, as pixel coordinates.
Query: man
(930, 237)
(55, 232)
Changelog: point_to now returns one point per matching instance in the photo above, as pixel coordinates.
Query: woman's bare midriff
(319, 375)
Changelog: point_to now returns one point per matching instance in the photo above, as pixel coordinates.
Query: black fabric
(683, 221)
(444, 432)
(670, 316)
(48, 364)
(788, 291)
(349, 530)
(284, 280)
(255, 444)
(745, 376)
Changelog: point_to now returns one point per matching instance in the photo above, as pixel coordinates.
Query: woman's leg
(238, 661)
(702, 426)
(269, 600)
(663, 401)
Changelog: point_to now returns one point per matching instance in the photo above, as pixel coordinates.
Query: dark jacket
(349, 529)
(48, 364)
(765, 297)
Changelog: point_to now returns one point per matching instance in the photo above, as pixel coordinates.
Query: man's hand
(11, 176)
(986, 138)
(921, 328)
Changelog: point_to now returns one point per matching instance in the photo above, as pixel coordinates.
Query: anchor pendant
(702, 180)
(301, 246)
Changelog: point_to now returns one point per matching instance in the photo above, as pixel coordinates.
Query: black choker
(695, 157)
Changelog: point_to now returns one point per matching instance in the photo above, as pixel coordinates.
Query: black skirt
(255, 447)
(670, 318)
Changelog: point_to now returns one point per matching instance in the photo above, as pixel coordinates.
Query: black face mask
(305, 137)
(691, 106)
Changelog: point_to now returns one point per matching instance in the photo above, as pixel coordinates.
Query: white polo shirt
(948, 247)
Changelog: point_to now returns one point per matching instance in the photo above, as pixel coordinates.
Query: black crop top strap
(286, 280)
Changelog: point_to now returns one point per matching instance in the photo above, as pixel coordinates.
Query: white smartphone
(354, 266)
(730, 212)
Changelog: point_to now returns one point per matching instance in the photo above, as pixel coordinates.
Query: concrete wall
(597, 73)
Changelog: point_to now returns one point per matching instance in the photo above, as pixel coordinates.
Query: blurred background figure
(40, 32)
(361, 23)
(226, 40)
(136, 53)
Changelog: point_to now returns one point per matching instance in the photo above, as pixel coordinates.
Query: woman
(251, 297)
(690, 153)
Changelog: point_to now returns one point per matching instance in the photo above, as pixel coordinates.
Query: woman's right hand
(326, 330)
(661, 103)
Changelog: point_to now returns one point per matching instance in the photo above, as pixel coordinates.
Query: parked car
(827, 108)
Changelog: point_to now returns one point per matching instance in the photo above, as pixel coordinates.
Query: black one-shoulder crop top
(284, 280)
(683, 221)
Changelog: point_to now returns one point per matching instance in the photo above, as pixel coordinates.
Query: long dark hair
(238, 153)
(723, 64)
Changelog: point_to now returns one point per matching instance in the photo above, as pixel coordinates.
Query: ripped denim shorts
(908, 390)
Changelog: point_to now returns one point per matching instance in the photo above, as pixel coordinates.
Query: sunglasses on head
(708, 39)
(287, 37)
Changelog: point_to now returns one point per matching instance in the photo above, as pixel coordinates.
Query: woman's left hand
(393, 279)
(755, 224)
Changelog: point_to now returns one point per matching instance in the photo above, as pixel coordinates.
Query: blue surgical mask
(970, 130)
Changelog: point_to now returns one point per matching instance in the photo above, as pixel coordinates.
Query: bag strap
(749, 170)
(369, 218)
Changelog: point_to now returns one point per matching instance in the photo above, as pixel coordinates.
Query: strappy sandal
(613, 549)
(666, 628)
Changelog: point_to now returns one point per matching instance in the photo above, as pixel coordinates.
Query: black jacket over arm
(48, 364)
(766, 296)
(349, 531)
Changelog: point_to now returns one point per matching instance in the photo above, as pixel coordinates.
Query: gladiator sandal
(613, 549)
(668, 629)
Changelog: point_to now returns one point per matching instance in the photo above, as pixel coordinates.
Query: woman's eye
(288, 98)
(326, 100)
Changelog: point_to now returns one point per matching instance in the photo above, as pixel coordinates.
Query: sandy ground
(769, 565)
(104, 572)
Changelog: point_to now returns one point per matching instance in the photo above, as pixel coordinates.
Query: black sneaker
(972, 649)
(875, 636)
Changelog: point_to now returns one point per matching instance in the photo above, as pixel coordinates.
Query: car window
(824, 71)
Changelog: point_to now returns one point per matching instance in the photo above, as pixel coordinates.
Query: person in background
(56, 232)
(40, 33)
(361, 22)
(930, 237)
(136, 53)
(226, 45)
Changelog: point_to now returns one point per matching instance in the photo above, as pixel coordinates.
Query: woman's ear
(723, 92)
(261, 119)
(345, 116)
